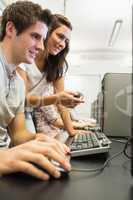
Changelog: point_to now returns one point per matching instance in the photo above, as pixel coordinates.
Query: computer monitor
(132, 154)
(116, 89)
(132, 131)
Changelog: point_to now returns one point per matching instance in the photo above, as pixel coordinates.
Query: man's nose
(40, 45)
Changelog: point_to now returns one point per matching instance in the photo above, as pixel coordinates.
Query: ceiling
(93, 21)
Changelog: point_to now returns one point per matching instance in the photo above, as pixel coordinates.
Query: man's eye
(35, 36)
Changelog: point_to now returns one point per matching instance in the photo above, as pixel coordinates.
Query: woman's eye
(61, 36)
(67, 41)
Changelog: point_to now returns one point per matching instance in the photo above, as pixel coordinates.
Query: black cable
(126, 146)
(99, 168)
(120, 141)
(107, 161)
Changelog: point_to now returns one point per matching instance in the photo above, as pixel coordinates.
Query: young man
(24, 26)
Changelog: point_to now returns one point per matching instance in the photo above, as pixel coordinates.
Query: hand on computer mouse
(34, 158)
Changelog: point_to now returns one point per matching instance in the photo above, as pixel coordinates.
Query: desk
(114, 183)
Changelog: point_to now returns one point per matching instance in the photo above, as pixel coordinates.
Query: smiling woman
(58, 40)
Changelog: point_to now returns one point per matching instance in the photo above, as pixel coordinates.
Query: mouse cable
(98, 168)
(123, 141)
(126, 147)
(108, 160)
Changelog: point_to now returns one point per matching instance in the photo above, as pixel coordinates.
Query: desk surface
(115, 182)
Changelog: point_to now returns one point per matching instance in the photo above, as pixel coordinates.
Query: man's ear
(10, 29)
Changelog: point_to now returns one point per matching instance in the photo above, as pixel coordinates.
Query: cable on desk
(119, 140)
(99, 168)
(126, 146)
(109, 159)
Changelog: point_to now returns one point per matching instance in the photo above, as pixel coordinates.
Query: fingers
(55, 147)
(67, 99)
(32, 170)
(63, 161)
(67, 149)
(28, 156)
(59, 147)
(42, 161)
(41, 156)
(79, 100)
(63, 148)
(71, 92)
(52, 151)
(45, 166)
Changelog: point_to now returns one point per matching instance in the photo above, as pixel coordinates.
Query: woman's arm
(64, 98)
(64, 112)
(58, 123)
(33, 100)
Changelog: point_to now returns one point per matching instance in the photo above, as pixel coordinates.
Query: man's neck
(8, 53)
(40, 61)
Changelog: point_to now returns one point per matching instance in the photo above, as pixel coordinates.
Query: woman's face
(58, 39)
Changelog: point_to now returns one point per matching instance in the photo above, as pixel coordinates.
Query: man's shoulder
(19, 79)
(2, 74)
(1, 65)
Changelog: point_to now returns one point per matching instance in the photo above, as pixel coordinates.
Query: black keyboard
(90, 142)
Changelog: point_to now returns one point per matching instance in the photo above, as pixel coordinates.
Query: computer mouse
(63, 172)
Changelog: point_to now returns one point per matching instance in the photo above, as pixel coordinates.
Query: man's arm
(17, 130)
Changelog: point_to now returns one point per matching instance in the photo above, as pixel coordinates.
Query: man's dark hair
(23, 14)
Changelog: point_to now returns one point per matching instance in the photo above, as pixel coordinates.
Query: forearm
(58, 123)
(22, 137)
(41, 100)
(65, 115)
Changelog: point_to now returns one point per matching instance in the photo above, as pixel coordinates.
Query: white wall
(87, 70)
(89, 85)
(100, 62)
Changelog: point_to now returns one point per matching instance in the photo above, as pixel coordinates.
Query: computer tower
(116, 90)
(132, 129)
(94, 110)
(132, 152)
(100, 108)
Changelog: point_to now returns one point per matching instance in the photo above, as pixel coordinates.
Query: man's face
(26, 45)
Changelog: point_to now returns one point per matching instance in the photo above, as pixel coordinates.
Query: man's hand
(23, 157)
(59, 146)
